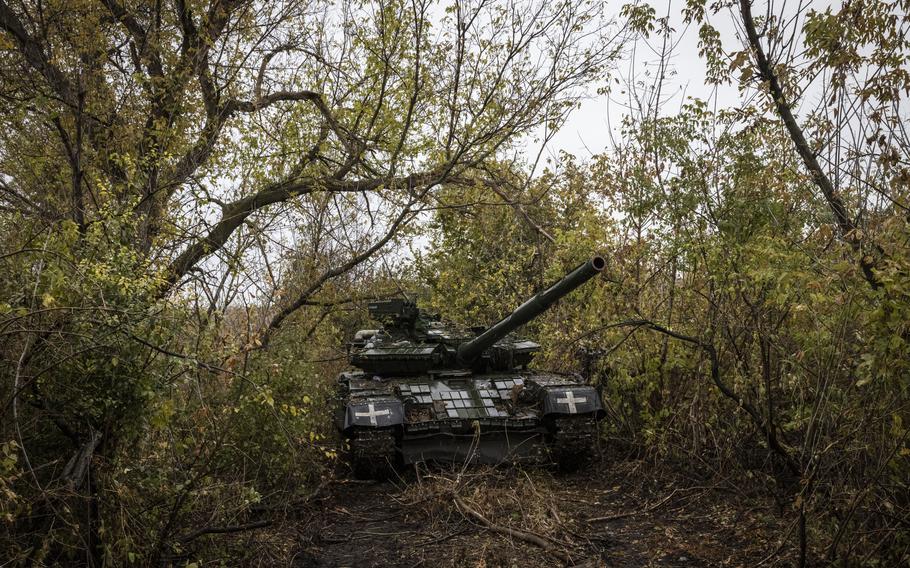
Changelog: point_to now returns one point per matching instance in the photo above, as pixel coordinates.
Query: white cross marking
(571, 400)
(373, 413)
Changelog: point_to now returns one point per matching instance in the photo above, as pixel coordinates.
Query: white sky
(587, 131)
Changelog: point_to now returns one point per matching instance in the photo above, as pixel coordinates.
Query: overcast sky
(587, 131)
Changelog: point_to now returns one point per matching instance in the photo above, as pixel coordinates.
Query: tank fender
(374, 414)
(571, 400)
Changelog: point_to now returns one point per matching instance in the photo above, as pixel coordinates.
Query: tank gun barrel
(471, 350)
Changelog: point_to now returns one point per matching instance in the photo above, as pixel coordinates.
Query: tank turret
(413, 341)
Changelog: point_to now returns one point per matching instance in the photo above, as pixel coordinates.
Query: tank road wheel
(572, 441)
(373, 454)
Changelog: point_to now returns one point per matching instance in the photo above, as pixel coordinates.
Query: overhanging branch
(845, 225)
(303, 297)
(35, 56)
(235, 213)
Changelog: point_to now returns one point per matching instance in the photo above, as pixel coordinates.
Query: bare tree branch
(36, 57)
(846, 227)
(233, 214)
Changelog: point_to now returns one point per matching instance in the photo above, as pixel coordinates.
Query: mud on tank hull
(456, 416)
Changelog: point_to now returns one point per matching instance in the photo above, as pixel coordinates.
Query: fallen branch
(438, 540)
(633, 513)
(296, 503)
(529, 537)
(224, 530)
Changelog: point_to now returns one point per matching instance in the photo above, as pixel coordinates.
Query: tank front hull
(516, 417)
(496, 447)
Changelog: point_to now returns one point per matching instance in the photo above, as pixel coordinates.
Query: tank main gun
(469, 351)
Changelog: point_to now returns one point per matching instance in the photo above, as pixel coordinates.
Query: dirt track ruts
(645, 521)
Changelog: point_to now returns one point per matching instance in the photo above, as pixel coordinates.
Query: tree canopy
(198, 197)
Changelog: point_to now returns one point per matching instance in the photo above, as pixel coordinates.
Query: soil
(430, 518)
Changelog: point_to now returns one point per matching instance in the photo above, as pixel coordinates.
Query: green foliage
(540, 234)
(272, 147)
(713, 233)
(640, 17)
(192, 197)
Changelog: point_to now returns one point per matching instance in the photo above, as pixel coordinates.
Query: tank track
(573, 441)
(373, 454)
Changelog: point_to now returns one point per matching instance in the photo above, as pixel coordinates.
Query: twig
(297, 503)
(549, 504)
(513, 533)
(781, 545)
(18, 376)
(225, 530)
(438, 540)
(633, 513)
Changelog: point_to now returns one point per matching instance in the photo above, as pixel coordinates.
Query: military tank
(423, 390)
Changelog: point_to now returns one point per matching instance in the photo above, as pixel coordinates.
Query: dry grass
(618, 514)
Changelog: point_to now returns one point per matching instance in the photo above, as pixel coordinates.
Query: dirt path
(645, 522)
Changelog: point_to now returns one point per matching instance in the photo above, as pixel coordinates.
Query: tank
(422, 390)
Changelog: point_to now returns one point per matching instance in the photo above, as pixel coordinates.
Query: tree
(152, 151)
